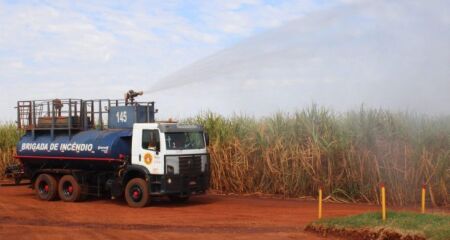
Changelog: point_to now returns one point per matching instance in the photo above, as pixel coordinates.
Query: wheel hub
(67, 189)
(136, 193)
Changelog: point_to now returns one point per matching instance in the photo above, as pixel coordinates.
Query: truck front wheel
(68, 189)
(46, 187)
(136, 193)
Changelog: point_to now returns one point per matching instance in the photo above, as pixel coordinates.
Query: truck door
(146, 152)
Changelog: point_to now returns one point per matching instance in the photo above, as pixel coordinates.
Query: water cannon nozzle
(130, 95)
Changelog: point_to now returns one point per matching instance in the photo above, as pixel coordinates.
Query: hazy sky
(247, 56)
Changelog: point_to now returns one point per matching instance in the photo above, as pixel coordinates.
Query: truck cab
(174, 157)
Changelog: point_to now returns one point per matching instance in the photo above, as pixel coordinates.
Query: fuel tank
(92, 149)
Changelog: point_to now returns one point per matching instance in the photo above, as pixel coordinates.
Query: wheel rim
(135, 193)
(67, 189)
(43, 188)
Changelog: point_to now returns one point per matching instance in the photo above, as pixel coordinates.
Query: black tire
(46, 187)
(69, 189)
(136, 193)
(178, 199)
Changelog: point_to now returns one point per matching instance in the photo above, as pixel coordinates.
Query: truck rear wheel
(68, 189)
(46, 187)
(136, 193)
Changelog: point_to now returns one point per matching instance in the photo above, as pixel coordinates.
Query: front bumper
(191, 179)
(182, 185)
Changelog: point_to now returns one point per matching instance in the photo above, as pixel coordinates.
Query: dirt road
(23, 216)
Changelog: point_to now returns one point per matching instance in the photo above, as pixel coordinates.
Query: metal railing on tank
(68, 115)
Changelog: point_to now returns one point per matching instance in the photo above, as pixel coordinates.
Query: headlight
(172, 165)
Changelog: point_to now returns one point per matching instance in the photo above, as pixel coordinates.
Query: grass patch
(431, 226)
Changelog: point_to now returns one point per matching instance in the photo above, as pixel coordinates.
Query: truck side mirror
(207, 139)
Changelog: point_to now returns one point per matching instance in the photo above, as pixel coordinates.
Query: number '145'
(121, 117)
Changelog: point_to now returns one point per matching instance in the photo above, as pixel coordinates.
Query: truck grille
(190, 164)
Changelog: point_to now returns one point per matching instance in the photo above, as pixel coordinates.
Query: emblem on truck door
(148, 158)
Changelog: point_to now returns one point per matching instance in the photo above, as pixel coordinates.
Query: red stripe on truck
(72, 158)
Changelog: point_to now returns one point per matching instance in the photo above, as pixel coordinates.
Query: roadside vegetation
(9, 136)
(348, 154)
(398, 225)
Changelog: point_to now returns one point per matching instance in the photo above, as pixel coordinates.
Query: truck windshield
(184, 140)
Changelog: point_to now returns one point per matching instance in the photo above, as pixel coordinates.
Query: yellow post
(423, 198)
(320, 202)
(383, 202)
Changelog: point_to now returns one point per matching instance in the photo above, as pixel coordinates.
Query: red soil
(23, 216)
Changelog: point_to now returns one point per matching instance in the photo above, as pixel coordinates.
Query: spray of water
(382, 53)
